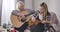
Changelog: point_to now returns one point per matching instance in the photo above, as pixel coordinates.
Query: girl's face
(42, 9)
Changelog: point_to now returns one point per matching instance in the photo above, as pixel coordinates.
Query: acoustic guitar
(17, 20)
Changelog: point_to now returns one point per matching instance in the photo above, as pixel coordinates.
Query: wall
(7, 7)
(28, 4)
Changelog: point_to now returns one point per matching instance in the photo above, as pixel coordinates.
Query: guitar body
(16, 21)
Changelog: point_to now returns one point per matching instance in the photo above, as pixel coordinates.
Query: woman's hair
(17, 4)
(46, 9)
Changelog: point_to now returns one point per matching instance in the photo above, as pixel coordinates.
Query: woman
(44, 17)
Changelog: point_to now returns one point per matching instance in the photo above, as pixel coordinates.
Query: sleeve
(14, 12)
(55, 19)
(55, 22)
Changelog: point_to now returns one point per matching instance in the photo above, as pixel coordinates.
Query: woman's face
(21, 6)
(42, 9)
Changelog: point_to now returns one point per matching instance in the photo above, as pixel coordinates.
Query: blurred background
(6, 7)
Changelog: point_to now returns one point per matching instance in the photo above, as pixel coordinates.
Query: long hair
(46, 9)
(17, 4)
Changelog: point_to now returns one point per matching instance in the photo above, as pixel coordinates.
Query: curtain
(7, 7)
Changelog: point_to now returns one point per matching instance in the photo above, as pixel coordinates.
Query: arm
(14, 12)
(54, 19)
(55, 22)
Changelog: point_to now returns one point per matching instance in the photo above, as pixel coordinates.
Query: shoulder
(14, 11)
(53, 14)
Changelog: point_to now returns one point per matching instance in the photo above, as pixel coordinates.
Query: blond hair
(20, 2)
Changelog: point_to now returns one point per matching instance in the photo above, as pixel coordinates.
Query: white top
(40, 17)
